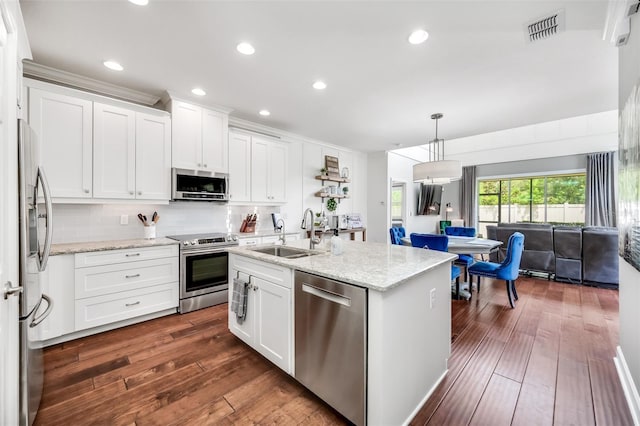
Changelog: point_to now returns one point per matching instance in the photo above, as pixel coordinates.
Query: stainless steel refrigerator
(35, 245)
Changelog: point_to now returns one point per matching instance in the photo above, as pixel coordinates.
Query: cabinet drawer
(97, 258)
(249, 241)
(100, 310)
(268, 271)
(108, 279)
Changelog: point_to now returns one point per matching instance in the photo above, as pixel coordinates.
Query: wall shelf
(337, 179)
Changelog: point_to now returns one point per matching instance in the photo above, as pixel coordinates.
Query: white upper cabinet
(114, 152)
(153, 157)
(93, 147)
(215, 127)
(199, 138)
(186, 135)
(268, 170)
(63, 125)
(239, 167)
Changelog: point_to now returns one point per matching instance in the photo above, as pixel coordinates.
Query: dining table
(466, 245)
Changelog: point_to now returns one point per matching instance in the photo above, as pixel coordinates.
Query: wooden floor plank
(189, 370)
(497, 403)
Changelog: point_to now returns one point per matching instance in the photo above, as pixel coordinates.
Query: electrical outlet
(124, 219)
(432, 298)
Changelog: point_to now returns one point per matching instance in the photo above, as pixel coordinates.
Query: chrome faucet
(282, 236)
(312, 240)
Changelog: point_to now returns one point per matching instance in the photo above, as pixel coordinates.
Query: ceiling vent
(546, 27)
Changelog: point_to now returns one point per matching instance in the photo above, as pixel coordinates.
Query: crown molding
(168, 96)
(43, 72)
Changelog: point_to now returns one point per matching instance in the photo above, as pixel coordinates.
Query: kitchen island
(408, 316)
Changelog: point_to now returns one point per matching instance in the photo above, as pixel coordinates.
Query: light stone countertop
(377, 266)
(83, 247)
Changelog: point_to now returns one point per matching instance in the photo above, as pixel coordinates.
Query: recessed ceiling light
(140, 2)
(319, 85)
(113, 65)
(264, 113)
(198, 91)
(245, 49)
(418, 36)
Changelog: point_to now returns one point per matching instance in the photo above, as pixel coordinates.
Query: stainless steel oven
(204, 263)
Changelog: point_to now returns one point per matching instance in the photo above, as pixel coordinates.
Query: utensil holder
(150, 232)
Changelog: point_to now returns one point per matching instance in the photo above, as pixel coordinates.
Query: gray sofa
(568, 253)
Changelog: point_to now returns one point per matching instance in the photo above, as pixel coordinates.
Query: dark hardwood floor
(549, 361)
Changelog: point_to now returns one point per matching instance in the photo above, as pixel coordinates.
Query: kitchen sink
(286, 252)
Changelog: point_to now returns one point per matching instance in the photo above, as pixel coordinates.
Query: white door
(259, 169)
(239, 167)
(273, 325)
(63, 125)
(186, 135)
(8, 228)
(278, 172)
(153, 157)
(245, 330)
(214, 141)
(114, 152)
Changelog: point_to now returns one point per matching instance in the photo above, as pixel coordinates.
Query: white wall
(629, 75)
(378, 189)
(570, 136)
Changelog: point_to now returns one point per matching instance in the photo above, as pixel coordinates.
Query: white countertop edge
(89, 246)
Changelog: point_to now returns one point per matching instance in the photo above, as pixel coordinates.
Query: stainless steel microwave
(199, 185)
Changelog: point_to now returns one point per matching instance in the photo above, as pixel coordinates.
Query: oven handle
(189, 252)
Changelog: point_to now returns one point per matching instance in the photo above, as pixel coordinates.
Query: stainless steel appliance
(204, 269)
(331, 343)
(34, 252)
(198, 185)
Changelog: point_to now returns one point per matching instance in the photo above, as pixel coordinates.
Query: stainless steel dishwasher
(331, 343)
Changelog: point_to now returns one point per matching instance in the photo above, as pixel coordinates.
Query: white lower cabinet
(105, 288)
(268, 325)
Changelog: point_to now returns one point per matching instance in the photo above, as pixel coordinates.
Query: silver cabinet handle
(132, 304)
(9, 290)
(132, 254)
(204, 165)
(130, 192)
(132, 276)
(199, 165)
(139, 192)
(37, 320)
(255, 288)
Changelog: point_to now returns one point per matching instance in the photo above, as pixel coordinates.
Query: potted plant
(345, 190)
(332, 204)
(323, 171)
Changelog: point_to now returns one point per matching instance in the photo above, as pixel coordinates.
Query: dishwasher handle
(327, 295)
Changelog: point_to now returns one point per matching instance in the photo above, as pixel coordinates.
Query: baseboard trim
(628, 385)
(424, 400)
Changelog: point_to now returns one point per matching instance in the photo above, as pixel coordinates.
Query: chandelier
(437, 170)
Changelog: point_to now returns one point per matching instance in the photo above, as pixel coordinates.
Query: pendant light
(437, 170)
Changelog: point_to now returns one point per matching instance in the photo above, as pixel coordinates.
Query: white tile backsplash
(101, 222)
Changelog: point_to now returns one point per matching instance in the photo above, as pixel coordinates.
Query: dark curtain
(600, 203)
(468, 196)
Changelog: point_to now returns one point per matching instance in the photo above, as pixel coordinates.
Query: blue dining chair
(464, 260)
(397, 234)
(440, 243)
(508, 270)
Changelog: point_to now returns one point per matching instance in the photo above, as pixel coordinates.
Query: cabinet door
(259, 169)
(278, 164)
(214, 141)
(63, 126)
(273, 322)
(114, 152)
(153, 157)
(58, 282)
(186, 138)
(239, 167)
(245, 330)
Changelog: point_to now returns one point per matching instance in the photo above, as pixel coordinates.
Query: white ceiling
(477, 67)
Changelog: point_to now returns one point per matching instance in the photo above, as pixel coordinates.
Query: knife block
(248, 226)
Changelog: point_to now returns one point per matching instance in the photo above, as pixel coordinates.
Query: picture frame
(332, 166)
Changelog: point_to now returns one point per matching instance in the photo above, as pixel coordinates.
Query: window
(397, 203)
(550, 199)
